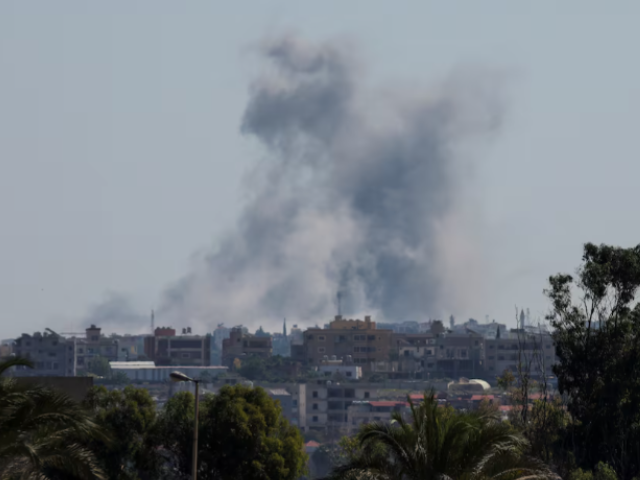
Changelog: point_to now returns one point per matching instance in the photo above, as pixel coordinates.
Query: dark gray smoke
(117, 313)
(358, 193)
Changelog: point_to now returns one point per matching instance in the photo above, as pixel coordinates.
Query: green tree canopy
(242, 435)
(43, 433)
(507, 380)
(597, 337)
(99, 366)
(130, 416)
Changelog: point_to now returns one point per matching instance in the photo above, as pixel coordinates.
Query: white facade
(149, 372)
(352, 372)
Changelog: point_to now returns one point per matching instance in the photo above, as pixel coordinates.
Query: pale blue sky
(120, 152)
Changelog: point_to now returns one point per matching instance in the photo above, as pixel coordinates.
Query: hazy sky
(121, 155)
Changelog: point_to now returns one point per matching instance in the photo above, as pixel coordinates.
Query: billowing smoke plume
(117, 312)
(357, 194)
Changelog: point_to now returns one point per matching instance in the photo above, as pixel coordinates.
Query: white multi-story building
(328, 403)
(351, 372)
(149, 372)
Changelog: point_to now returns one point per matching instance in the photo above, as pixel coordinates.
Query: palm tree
(43, 433)
(440, 443)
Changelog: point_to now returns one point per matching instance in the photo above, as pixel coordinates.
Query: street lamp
(181, 377)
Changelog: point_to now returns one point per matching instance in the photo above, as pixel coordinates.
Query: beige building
(357, 341)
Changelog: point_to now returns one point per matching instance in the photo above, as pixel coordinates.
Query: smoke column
(357, 193)
(117, 312)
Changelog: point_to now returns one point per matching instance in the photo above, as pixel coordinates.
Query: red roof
(419, 396)
(475, 398)
(538, 396)
(387, 404)
(506, 408)
(311, 443)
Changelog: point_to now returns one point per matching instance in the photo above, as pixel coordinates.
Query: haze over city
(241, 165)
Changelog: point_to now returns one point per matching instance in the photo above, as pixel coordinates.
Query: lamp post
(181, 377)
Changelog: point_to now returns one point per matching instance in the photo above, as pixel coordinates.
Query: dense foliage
(439, 442)
(129, 416)
(121, 435)
(596, 323)
(43, 434)
(590, 432)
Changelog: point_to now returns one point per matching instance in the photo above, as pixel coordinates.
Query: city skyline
(123, 163)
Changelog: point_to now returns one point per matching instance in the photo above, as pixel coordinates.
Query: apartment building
(358, 339)
(456, 355)
(413, 351)
(337, 368)
(92, 346)
(242, 344)
(52, 355)
(166, 348)
(519, 346)
(328, 404)
(293, 402)
(130, 347)
(6, 348)
(362, 412)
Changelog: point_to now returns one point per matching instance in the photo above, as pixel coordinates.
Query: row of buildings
(342, 408)
(351, 347)
(472, 350)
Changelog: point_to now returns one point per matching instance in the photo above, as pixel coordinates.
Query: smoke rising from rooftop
(358, 192)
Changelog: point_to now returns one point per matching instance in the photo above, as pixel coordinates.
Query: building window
(315, 394)
(321, 349)
(315, 406)
(294, 403)
(366, 394)
(310, 337)
(491, 357)
(315, 419)
(348, 374)
(322, 338)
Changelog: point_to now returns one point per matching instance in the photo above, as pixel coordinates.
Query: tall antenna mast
(339, 299)
(153, 318)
